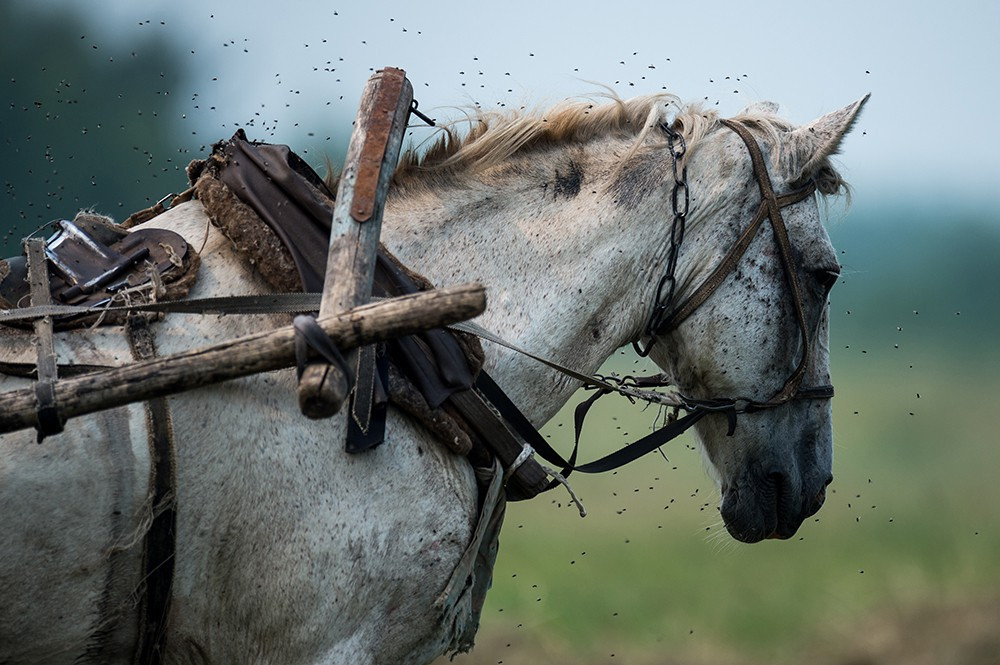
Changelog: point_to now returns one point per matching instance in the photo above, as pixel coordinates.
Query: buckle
(85, 263)
(89, 261)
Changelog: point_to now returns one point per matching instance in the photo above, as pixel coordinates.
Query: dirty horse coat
(290, 550)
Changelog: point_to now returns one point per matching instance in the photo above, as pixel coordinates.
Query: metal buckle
(89, 262)
(85, 263)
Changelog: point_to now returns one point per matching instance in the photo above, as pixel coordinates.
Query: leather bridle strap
(769, 209)
(729, 263)
(794, 381)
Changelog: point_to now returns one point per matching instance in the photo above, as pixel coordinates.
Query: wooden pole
(48, 419)
(262, 352)
(357, 222)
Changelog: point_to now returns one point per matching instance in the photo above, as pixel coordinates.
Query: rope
(526, 452)
(559, 478)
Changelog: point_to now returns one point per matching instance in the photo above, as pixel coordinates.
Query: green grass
(909, 520)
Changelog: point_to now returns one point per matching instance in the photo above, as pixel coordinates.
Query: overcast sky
(294, 68)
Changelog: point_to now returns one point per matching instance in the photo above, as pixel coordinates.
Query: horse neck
(566, 267)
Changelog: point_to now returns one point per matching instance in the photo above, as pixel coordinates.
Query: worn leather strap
(160, 541)
(729, 263)
(310, 336)
(784, 243)
(769, 209)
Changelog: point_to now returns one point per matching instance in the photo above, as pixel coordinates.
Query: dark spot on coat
(638, 179)
(568, 181)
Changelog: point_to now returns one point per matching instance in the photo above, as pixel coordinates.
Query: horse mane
(492, 136)
(484, 139)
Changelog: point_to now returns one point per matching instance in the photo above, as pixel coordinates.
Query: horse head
(757, 341)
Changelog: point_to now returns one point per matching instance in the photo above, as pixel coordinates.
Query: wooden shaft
(357, 221)
(47, 416)
(38, 277)
(261, 352)
(39, 282)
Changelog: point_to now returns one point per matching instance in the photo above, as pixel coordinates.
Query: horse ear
(810, 144)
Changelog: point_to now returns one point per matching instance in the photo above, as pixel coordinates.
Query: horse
(290, 550)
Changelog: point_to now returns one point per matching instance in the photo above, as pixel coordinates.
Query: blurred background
(105, 104)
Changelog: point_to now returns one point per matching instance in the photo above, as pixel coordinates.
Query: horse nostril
(820, 497)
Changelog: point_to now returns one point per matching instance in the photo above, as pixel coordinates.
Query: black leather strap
(309, 336)
(629, 453)
(160, 542)
(49, 420)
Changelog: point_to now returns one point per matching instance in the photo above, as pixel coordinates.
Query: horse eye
(826, 278)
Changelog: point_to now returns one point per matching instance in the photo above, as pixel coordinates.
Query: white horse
(290, 550)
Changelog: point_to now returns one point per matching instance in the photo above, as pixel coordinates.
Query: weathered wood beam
(357, 222)
(252, 354)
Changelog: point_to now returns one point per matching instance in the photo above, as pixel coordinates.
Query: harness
(769, 209)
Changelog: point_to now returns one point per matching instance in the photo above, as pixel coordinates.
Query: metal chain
(680, 201)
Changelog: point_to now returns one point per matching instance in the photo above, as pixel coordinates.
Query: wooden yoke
(357, 221)
(260, 352)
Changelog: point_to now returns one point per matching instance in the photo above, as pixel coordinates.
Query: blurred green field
(909, 527)
(910, 520)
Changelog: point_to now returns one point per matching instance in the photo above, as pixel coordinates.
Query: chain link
(680, 201)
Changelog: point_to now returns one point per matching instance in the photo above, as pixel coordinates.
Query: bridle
(666, 317)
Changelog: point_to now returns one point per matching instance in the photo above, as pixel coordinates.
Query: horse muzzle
(772, 506)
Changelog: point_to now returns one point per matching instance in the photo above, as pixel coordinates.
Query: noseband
(664, 319)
